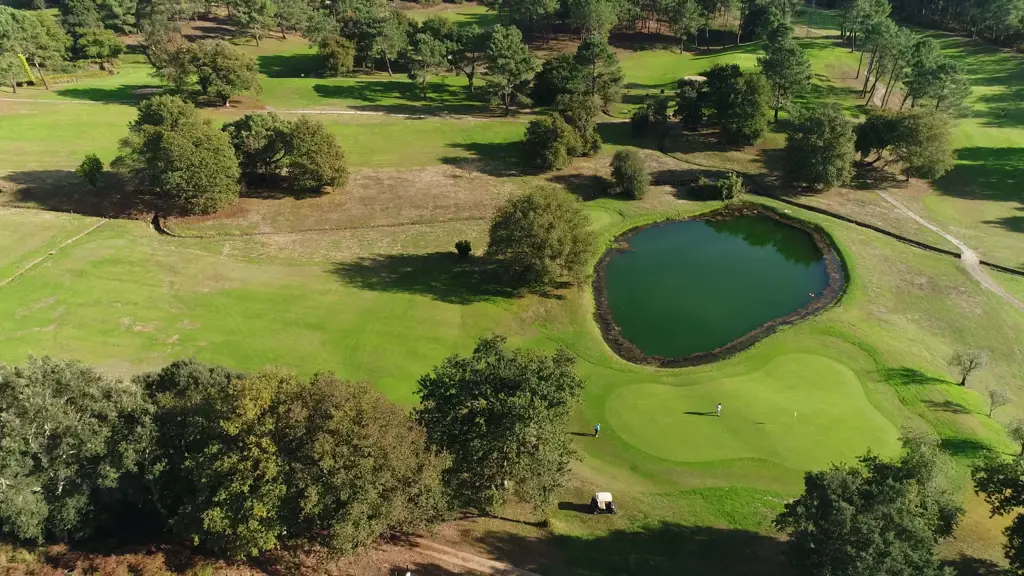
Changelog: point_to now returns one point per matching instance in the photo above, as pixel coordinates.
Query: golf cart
(602, 503)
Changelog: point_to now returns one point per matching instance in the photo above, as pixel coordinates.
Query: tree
(467, 51)
(820, 149)
(924, 58)
(426, 57)
(601, 69)
(548, 143)
(217, 67)
(692, 97)
(182, 166)
(558, 75)
(877, 134)
(100, 45)
(882, 517)
(1001, 482)
(592, 17)
(315, 159)
(502, 415)
(10, 70)
(339, 55)
(291, 14)
(68, 434)
(509, 65)
(35, 35)
(254, 17)
(997, 398)
(629, 172)
(262, 143)
(651, 119)
(759, 18)
(541, 236)
(357, 467)
(90, 169)
(787, 69)
(393, 38)
(924, 144)
(78, 16)
(747, 121)
(684, 19)
(1016, 433)
(966, 362)
(580, 113)
(951, 86)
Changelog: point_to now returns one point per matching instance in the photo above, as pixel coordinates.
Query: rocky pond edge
(834, 264)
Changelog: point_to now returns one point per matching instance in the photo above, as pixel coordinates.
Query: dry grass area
(372, 198)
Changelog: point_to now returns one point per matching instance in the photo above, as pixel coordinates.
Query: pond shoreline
(834, 265)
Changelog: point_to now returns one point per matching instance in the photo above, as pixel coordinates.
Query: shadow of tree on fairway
(439, 275)
(912, 376)
(499, 159)
(578, 507)
(946, 406)
(994, 174)
(663, 549)
(290, 65)
(682, 181)
(404, 97)
(962, 447)
(65, 191)
(584, 186)
(115, 95)
(964, 565)
(1011, 223)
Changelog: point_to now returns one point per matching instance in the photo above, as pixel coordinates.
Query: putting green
(800, 410)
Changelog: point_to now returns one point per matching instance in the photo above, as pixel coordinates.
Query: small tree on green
(469, 47)
(629, 173)
(510, 65)
(997, 398)
(881, 517)
(90, 169)
(602, 72)
(502, 413)
(819, 149)
(1001, 481)
(426, 57)
(787, 69)
(548, 143)
(692, 98)
(541, 236)
(220, 70)
(315, 159)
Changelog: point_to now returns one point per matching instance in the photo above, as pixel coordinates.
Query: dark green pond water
(692, 286)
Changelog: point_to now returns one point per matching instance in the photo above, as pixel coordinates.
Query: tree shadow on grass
(404, 97)
(499, 159)
(439, 275)
(961, 447)
(578, 507)
(1011, 223)
(964, 565)
(116, 95)
(683, 181)
(65, 191)
(584, 186)
(946, 406)
(290, 65)
(663, 549)
(910, 376)
(993, 174)
(874, 176)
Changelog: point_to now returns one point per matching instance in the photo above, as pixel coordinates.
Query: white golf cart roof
(603, 497)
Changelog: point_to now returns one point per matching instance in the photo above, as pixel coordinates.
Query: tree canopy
(787, 69)
(541, 236)
(510, 66)
(819, 149)
(501, 414)
(220, 70)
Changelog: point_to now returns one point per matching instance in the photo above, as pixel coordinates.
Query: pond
(692, 291)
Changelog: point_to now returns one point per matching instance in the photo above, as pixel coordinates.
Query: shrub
(730, 186)
(558, 75)
(316, 159)
(548, 142)
(339, 55)
(650, 119)
(630, 173)
(90, 169)
(261, 143)
(464, 248)
(580, 112)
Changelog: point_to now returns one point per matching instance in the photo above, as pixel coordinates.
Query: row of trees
(176, 163)
(244, 463)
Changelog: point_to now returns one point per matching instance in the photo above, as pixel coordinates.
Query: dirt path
(48, 254)
(968, 258)
(474, 563)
